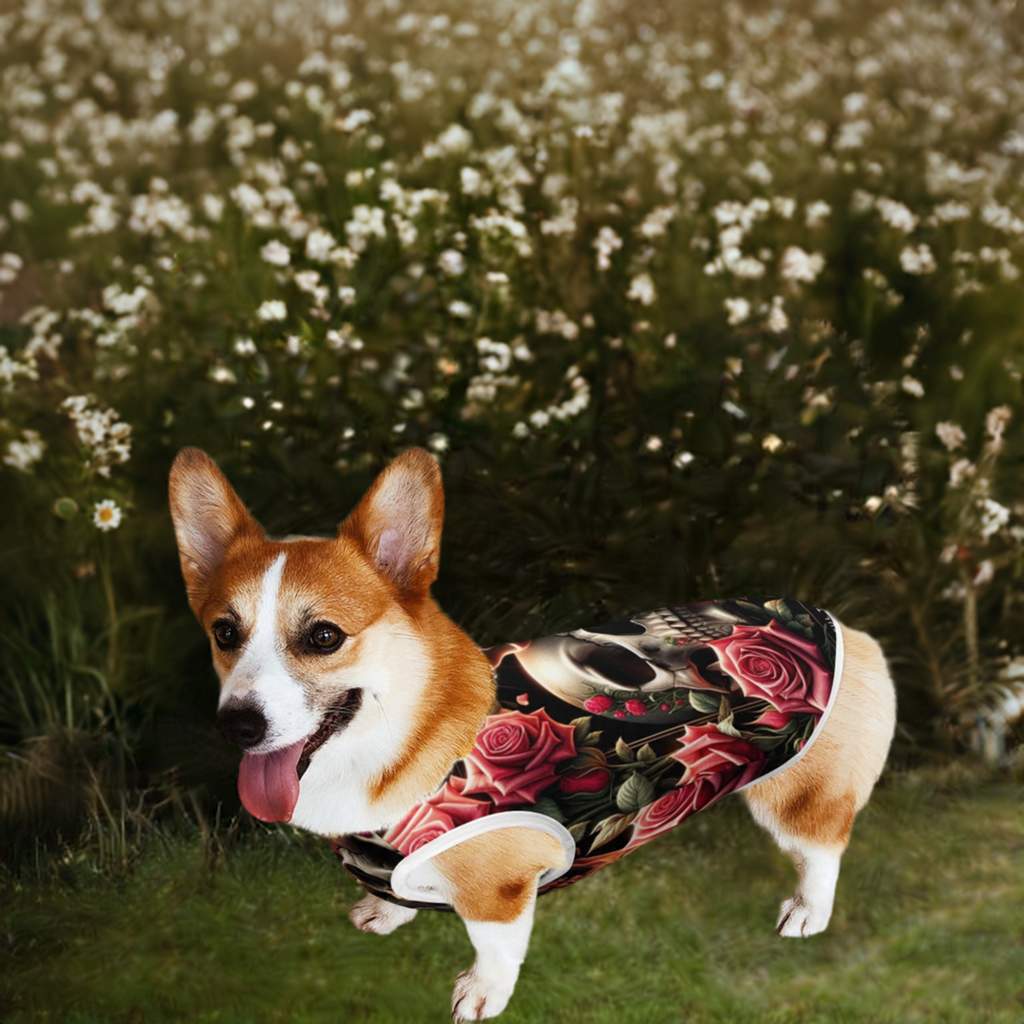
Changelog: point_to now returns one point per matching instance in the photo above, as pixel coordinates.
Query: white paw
(797, 919)
(372, 914)
(477, 997)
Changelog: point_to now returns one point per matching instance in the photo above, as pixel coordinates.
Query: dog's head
(311, 638)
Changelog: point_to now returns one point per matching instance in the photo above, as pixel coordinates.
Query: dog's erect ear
(398, 522)
(208, 516)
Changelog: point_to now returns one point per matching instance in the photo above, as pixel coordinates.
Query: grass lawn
(928, 927)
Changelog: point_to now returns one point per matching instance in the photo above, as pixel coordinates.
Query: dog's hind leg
(372, 914)
(809, 809)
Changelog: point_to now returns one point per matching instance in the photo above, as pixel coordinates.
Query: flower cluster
(104, 437)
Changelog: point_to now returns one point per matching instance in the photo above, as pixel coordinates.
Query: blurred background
(688, 300)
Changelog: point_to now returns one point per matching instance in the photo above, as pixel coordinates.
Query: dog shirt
(607, 737)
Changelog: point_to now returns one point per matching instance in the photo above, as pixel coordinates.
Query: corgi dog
(448, 776)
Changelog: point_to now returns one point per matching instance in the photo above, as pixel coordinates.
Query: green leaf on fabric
(623, 749)
(581, 730)
(546, 806)
(578, 831)
(609, 828)
(726, 727)
(634, 793)
(705, 703)
(646, 754)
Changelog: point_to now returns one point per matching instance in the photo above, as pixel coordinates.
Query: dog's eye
(325, 637)
(226, 634)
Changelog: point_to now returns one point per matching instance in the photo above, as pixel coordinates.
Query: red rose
(636, 707)
(435, 816)
(706, 751)
(775, 665)
(598, 703)
(515, 757)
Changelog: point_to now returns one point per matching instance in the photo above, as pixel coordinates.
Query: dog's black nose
(244, 726)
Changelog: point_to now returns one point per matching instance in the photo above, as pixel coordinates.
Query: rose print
(773, 664)
(437, 815)
(515, 757)
(705, 750)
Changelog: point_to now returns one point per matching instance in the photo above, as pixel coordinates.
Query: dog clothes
(607, 737)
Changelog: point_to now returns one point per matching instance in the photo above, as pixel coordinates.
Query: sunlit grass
(927, 927)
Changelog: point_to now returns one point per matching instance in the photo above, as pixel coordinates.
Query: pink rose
(636, 707)
(706, 751)
(435, 816)
(598, 703)
(515, 756)
(773, 664)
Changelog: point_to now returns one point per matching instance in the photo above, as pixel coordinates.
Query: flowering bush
(679, 296)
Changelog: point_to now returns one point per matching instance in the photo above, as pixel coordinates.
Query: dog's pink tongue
(269, 784)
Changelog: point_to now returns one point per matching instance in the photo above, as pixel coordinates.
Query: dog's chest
(609, 736)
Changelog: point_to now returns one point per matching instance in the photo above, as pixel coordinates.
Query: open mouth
(336, 719)
(268, 784)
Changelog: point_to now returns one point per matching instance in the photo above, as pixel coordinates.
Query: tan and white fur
(281, 604)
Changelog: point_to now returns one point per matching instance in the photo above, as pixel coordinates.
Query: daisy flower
(106, 515)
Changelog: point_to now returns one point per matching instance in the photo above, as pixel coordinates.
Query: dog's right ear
(208, 517)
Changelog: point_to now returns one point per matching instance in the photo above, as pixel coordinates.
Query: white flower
(367, 222)
(606, 243)
(950, 434)
(24, 454)
(984, 573)
(272, 309)
(912, 386)
(106, 515)
(777, 320)
(276, 254)
(455, 139)
(797, 265)
(244, 347)
(917, 260)
(758, 171)
(463, 310)
(995, 424)
(452, 262)
(248, 199)
(960, 472)
(564, 222)
(320, 245)
(993, 517)
(738, 310)
(347, 294)
(896, 215)
(682, 459)
(106, 440)
(470, 181)
(656, 222)
(816, 213)
(641, 288)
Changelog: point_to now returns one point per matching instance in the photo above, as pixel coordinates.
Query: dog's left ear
(398, 522)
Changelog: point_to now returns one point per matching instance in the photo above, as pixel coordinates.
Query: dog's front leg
(485, 989)
(372, 914)
(492, 884)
